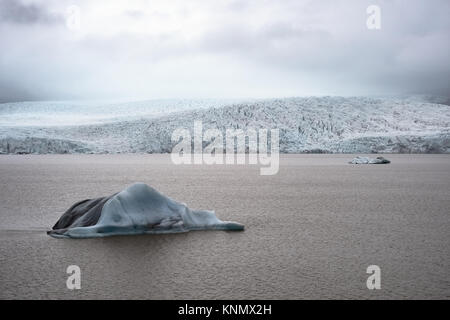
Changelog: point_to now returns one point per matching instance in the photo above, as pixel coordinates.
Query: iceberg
(367, 160)
(138, 209)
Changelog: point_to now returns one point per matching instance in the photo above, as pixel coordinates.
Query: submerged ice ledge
(138, 209)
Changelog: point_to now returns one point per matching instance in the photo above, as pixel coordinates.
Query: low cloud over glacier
(229, 48)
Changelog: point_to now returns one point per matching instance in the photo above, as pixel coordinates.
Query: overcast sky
(221, 49)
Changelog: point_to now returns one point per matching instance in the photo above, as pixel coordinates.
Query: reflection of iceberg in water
(139, 209)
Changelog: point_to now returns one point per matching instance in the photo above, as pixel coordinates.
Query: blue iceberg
(138, 209)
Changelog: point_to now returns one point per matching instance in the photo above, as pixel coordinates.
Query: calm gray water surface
(311, 230)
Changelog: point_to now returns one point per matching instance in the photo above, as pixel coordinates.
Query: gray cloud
(11, 92)
(226, 49)
(14, 11)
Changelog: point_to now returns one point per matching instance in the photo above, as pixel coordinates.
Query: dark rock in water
(139, 209)
(367, 160)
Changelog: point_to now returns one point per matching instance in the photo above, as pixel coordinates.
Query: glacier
(138, 209)
(307, 124)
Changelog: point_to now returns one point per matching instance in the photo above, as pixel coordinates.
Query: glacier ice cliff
(306, 125)
(138, 209)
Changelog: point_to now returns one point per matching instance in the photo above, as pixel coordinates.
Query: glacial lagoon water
(311, 231)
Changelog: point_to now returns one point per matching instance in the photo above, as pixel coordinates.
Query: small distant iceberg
(367, 160)
(138, 209)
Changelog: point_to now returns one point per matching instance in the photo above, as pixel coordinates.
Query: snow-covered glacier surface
(309, 124)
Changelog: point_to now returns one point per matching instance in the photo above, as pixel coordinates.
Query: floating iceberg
(138, 209)
(367, 160)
